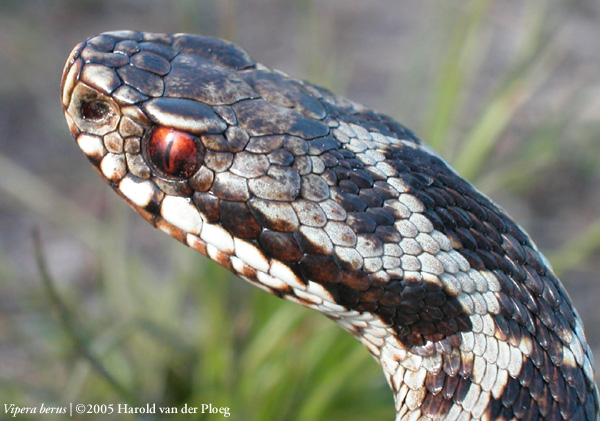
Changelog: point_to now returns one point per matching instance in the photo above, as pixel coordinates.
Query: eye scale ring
(175, 154)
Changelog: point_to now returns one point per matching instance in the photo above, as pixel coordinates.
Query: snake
(324, 202)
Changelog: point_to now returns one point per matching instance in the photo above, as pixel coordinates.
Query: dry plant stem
(74, 332)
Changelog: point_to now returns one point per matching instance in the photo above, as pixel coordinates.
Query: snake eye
(173, 153)
(95, 110)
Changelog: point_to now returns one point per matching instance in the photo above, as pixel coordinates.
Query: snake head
(204, 143)
(155, 115)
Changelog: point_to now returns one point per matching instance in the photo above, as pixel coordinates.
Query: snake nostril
(95, 110)
(173, 153)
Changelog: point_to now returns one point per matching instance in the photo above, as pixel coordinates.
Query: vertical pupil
(169, 162)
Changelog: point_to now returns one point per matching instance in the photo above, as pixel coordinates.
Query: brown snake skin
(320, 201)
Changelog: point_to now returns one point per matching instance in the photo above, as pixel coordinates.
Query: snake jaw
(318, 200)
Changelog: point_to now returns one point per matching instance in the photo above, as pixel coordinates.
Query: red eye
(173, 153)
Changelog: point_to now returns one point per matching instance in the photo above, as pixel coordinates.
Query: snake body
(323, 202)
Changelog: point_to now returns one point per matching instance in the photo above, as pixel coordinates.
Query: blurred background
(116, 312)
